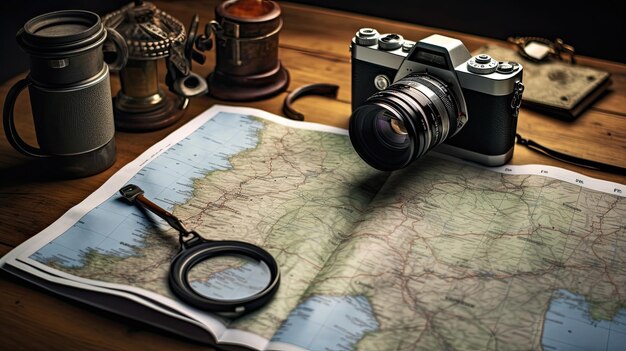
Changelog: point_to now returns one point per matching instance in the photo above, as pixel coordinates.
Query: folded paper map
(441, 255)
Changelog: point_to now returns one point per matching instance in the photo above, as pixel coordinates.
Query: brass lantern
(152, 35)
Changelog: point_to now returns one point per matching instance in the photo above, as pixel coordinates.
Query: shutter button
(507, 67)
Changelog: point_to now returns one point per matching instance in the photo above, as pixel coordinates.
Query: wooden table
(314, 47)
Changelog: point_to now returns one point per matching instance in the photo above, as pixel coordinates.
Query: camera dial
(482, 64)
(366, 36)
(390, 41)
(407, 46)
(507, 67)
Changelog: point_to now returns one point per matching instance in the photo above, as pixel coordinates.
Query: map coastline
(569, 316)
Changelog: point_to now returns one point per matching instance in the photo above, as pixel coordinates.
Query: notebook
(554, 87)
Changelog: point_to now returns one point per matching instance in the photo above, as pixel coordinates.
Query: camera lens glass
(391, 131)
(397, 125)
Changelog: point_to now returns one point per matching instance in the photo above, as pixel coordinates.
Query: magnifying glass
(224, 276)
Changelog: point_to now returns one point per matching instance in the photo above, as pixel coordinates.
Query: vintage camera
(410, 97)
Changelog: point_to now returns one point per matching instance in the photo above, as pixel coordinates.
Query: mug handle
(9, 125)
(118, 41)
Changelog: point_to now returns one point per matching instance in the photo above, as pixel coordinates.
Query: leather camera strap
(569, 158)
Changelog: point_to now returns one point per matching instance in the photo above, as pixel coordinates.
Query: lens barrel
(397, 125)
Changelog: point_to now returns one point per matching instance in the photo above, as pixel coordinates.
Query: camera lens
(397, 125)
(391, 131)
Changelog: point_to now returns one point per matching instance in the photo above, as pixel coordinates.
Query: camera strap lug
(516, 102)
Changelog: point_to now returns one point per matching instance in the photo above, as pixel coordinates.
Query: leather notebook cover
(555, 87)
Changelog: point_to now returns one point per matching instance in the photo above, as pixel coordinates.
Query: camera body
(487, 93)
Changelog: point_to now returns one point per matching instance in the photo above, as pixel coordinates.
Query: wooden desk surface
(314, 47)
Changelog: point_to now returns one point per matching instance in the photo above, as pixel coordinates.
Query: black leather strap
(323, 89)
(569, 158)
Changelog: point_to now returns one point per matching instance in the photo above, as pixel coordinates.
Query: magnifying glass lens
(224, 276)
(229, 277)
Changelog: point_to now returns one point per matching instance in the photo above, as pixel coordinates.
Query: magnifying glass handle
(133, 193)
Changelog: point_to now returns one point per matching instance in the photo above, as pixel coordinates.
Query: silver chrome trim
(496, 83)
(457, 52)
(487, 160)
(371, 54)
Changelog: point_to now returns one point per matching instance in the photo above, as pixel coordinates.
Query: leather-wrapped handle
(9, 124)
(122, 50)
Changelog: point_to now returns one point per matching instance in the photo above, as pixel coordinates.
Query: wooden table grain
(314, 47)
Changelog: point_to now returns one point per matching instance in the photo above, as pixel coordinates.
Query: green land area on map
(449, 256)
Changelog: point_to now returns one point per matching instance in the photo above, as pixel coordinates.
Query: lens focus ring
(442, 92)
(399, 124)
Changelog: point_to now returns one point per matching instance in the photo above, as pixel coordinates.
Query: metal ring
(218, 30)
(199, 251)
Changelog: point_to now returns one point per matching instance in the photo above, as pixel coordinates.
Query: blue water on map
(328, 323)
(568, 326)
(117, 228)
(232, 283)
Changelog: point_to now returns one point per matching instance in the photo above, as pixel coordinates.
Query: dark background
(596, 29)
(13, 15)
